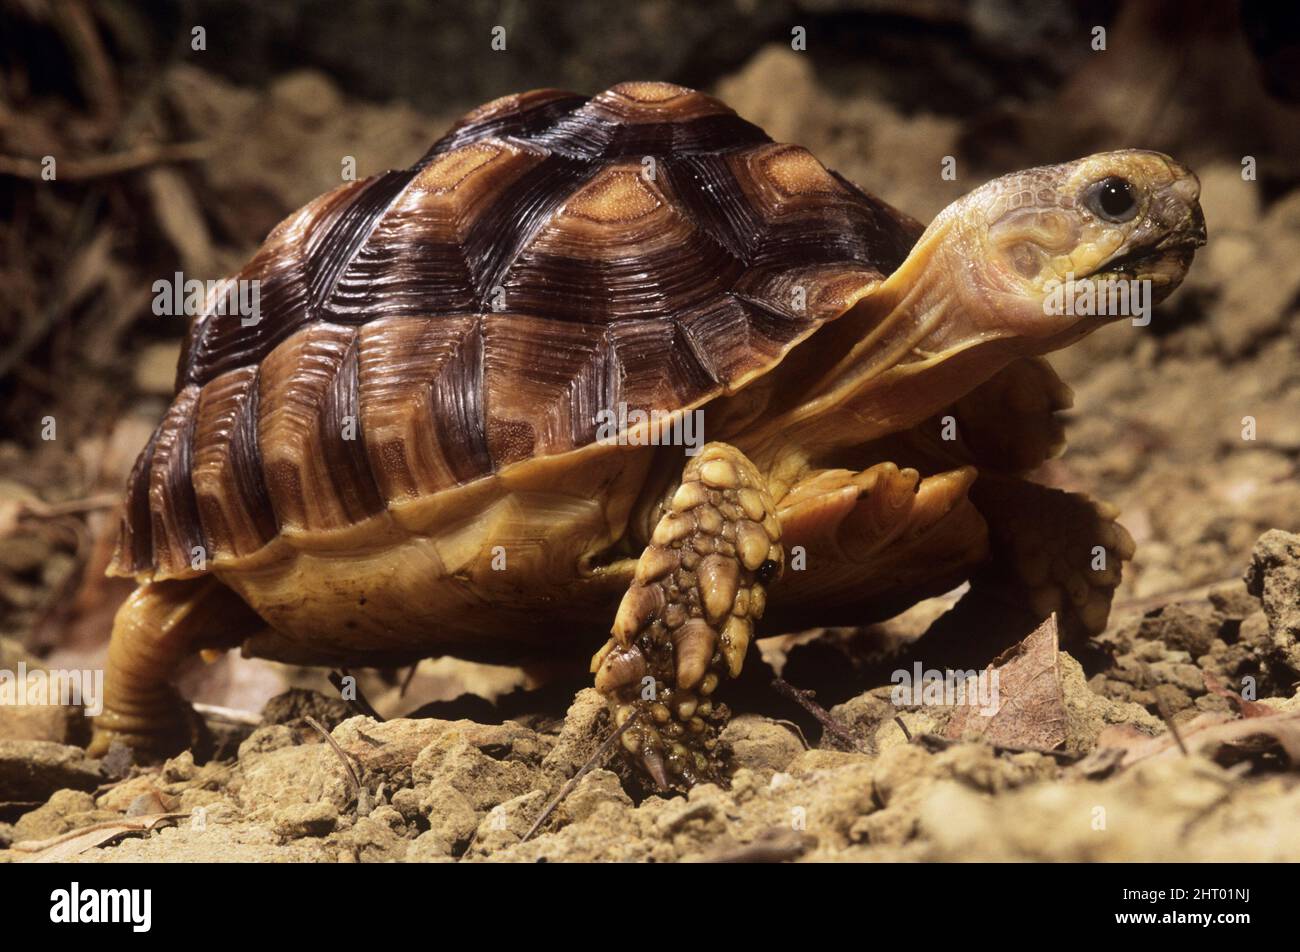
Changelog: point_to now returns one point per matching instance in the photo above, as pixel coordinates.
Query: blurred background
(180, 133)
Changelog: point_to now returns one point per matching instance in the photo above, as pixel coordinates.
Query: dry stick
(100, 166)
(358, 703)
(1146, 603)
(943, 743)
(406, 681)
(773, 846)
(1149, 678)
(1173, 728)
(903, 727)
(594, 759)
(352, 774)
(804, 700)
(43, 510)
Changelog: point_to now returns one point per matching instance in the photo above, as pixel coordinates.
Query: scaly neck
(902, 364)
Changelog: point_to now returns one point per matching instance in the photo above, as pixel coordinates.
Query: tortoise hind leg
(158, 627)
(687, 619)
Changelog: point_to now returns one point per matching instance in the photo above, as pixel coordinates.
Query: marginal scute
(177, 531)
(227, 470)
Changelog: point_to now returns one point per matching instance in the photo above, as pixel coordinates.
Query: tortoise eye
(1113, 199)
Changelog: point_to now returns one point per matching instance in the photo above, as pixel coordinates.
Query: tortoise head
(1053, 252)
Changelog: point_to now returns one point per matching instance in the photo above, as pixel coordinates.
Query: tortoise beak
(1189, 232)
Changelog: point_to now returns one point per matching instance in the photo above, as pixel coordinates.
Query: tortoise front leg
(687, 619)
(1063, 550)
(159, 626)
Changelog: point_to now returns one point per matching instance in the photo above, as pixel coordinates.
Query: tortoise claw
(653, 763)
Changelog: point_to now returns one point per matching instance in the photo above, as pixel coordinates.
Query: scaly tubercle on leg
(687, 620)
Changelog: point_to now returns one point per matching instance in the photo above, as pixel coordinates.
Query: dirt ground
(1174, 736)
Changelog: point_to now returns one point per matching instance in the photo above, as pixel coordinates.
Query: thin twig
(1173, 728)
(903, 727)
(1149, 678)
(1142, 605)
(352, 774)
(100, 166)
(592, 761)
(406, 681)
(359, 704)
(938, 742)
(43, 510)
(805, 700)
(776, 845)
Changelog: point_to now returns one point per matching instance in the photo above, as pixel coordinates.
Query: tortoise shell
(551, 256)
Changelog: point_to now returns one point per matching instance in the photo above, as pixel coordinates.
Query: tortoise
(614, 359)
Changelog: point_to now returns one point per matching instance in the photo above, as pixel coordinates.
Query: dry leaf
(1028, 703)
(1221, 737)
(78, 841)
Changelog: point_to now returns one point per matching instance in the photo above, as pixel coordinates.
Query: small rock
(296, 704)
(33, 769)
(452, 822)
(407, 802)
(430, 847)
(1190, 627)
(1089, 713)
(377, 838)
(452, 760)
(266, 739)
(1274, 577)
(505, 824)
(286, 776)
(1172, 699)
(1186, 676)
(119, 760)
(761, 744)
(146, 803)
(306, 819)
(584, 726)
(1233, 601)
(179, 769)
(593, 791)
(65, 811)
(56, 723)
